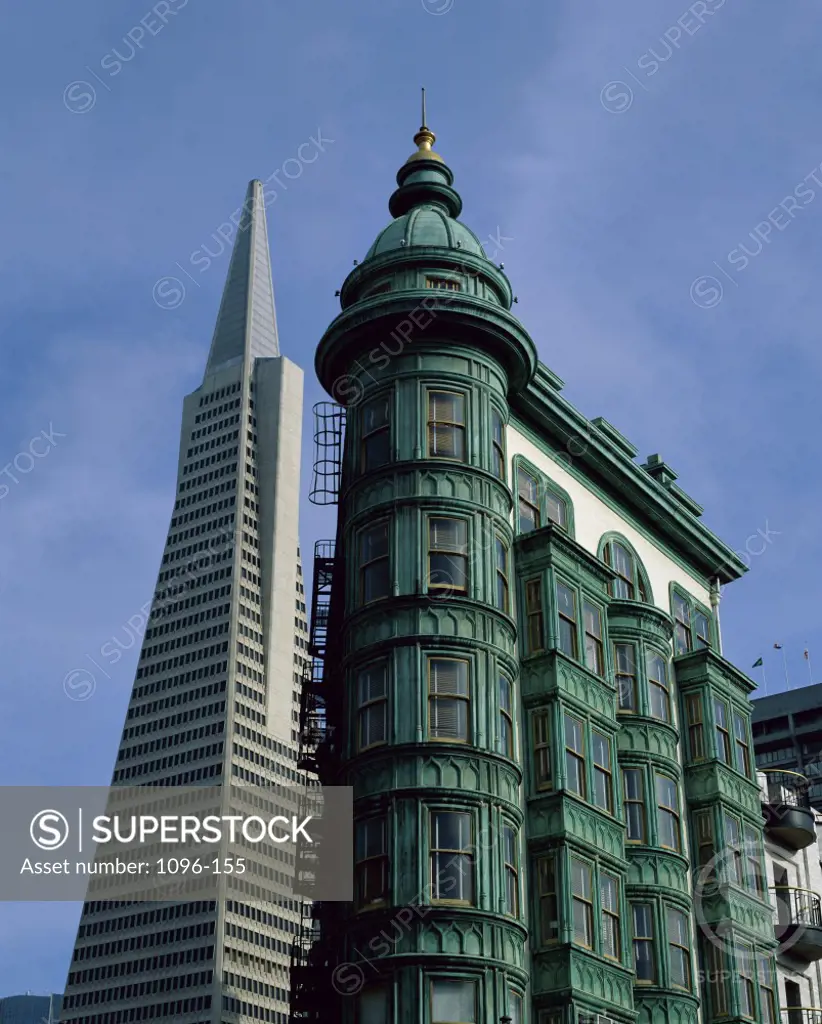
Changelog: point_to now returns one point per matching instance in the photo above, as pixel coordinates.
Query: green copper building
(522, 680)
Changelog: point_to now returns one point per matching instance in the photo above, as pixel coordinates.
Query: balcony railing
(798, 922)
(801, 1015)
(786, 807)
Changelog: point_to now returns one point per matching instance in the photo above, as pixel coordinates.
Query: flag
(807, 656)
(777, 647)
(757, 663)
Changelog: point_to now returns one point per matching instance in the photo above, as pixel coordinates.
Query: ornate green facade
(505, 700)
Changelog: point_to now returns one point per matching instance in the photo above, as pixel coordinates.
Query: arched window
(631, 582)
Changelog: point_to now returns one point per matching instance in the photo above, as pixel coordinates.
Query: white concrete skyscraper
(217, 689)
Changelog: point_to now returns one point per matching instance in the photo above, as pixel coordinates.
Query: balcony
(786, 808)
(798, 922)
(801, 1015)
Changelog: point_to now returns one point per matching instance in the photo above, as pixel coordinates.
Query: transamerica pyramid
(217, 689)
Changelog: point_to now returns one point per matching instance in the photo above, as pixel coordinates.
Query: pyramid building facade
(217, 690)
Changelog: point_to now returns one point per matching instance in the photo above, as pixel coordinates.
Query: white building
(217, 689)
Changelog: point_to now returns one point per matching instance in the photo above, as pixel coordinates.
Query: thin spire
(247, 320)
(424, 139)
(424, 124)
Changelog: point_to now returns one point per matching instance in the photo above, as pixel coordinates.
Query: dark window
(743, 750)
(602, 795)
(622, 562)
(723, 736)
(376, 434)
(575, 755)
(443, 284)
(625, 658)
(528, 493)
(506, 719)
(682, 621)
(509, 846)
(543, 776)
(767, 1001)
(497, 444)
(548, 906)
(696, 729)
(557, 508)
(582, 901)
(374, 567)
(747, 993)
(567, 613)
(680, 949)
(372, 863)
(667, 813)
(452, 859)
(643, 921)
(658, 687)
(372, 699)
(533, 613)
(447, 555)
(501, 557)
(592, 618)
(632, 783)
(733, 844)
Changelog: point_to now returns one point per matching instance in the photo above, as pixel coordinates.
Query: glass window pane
(565, 601)
(557, 509)
(453, 1002)
(373, 1006)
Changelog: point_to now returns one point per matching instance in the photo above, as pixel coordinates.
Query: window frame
(767, 992)
(534, 614)
(638, 582)
(596, 639)
(366, 436)
(736, 863)
(434, 695)
(510, 869)
(722, 733)
(659, 686)
(363, 566)
(505, 722)
(688, 630)
(499, 459)
(502, 576)
(467, 852)
(454, 425)
(365, 706)
(541, 784)
(635, 802)
(450, 554)
(612, 917)
(522, 471)
(620, 676)
(682, 949)
(648, 940)
(696, 725)
(577, 755)
(602, 770)
(742, 745)
(546, 494)
(674, 811)
(382, 859)
(749, 980)
(571, 622)
(587, 904)
(451, 979)
(545, 895)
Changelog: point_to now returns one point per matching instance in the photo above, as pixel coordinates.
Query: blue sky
(623, 153)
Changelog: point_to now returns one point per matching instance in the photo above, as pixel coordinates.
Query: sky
(650, 174)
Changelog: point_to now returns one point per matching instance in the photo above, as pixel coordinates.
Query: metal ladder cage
(329, 425)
